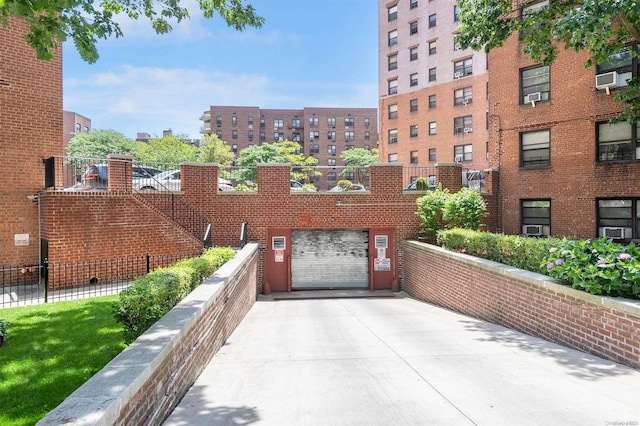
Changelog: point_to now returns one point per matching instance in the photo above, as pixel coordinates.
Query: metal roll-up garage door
(329, 259)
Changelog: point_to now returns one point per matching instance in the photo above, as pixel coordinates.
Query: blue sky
(309, 53)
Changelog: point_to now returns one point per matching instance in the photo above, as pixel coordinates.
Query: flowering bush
(597, 266)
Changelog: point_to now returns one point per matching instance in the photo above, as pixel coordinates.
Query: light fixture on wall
(32, 197)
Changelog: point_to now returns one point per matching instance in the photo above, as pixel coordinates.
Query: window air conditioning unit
(458, 159)
(607, 81)
(466, 101)
(532, 98)
(532, 229)
(613, 233)
(467, 130)
(458, 74)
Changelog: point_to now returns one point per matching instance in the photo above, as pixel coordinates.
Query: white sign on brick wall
(21, 239)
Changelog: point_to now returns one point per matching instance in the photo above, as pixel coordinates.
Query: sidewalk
(398, 361)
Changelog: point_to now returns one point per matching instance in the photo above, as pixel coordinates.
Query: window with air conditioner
(535, 217)
(619, 67)
(463, 125)
(463, 153)
(462, 68)
(619, 219)
(534, 84)
(463, 96)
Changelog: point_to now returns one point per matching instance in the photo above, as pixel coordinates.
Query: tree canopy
(283, 151)
(214, 150)
(100, 143)
(86, 21)
(601, 28)
(167, 150)
(357, 162)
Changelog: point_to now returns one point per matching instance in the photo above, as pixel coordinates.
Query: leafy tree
(100, 143)
(167, 150)
(283, 151)
(86, 21)
(600, 28)
(465, 209)
(216, 150)
(357, 163)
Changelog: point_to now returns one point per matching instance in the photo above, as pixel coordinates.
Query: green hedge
(150, 297)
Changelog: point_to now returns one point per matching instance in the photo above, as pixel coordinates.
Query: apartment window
(535, 148)
(367, 135)
(456, 45)
(456, 13)
(535, 217)
(219, 133)
(331, 121)
(277, 136)
(413, 157)
(393, 158)
(331, 135)
(278, 124)
(432, 20)
(86, 129)
(234, 148)
(432, 128)
(218, 120)
(463, 125)
(331, 176)
(463, 96)
(78, 128)
(413, 53)
(331, 149)
(413, 27)
(413, 131)
(393, 86)
(392, 13)
(623, 63)
(349, 135)
(413, 79)
(432, 154)
(413, 105)
(367, 147)
(393, 37)
(295, 123)
(296, 137)
(314, 135)
(263, 136)
(393, 62)
(432, 101)
(619, 218)
(462, 68)
(314, 148)
(250, 135)
(348, 147)
(234, 120)
(367, 121)
(413, 4)
(432, 48)
(534, 81)
(463, 153)
(349, 121)
(314, 121)
(234, 134)
(393, 136)
(250, 121)
(618, 142)
(261, 121)
(531, 9)
(432, 74)
(331, 162)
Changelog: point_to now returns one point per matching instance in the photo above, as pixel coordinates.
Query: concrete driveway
(398, 361)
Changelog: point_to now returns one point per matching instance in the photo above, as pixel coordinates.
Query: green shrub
(599, 267)
(430, 211)
(345, 184)
(465, 209)
(150, 297)
(422, 184)
(4, 325)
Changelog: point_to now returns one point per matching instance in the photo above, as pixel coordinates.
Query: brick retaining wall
(525, 301)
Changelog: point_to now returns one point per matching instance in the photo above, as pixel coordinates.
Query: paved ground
(398, 361)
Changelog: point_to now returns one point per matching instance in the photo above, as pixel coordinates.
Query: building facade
(74, 124)
(564, 170)
(433, 95)
(323, 133)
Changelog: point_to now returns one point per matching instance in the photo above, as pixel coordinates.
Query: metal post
(148, 262)
(45, 272)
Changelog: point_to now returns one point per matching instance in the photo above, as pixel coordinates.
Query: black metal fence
(35, 284)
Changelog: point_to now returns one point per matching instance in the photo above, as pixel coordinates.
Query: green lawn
(50, 351)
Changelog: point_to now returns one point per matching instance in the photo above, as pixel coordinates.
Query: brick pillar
(385, 179)
(274, 178)
(450, 176)
(199, 179)
(491, 181)
(119, 173)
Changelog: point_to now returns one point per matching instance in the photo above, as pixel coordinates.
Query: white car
(170, 181)
(297, 186)
(354, 187)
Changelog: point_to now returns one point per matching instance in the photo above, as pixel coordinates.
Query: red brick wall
(524, 301)
(30, 130)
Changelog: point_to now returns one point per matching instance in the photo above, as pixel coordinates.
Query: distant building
(323, 133)
(143, 137)
(74, 124)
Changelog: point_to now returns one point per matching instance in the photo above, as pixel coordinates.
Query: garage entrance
(327, 259)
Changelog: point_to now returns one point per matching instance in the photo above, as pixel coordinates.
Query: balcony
(206, 116)
(206, 128)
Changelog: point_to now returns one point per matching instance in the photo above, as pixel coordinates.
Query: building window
(413, 79)
(314, 121)
(296, 137)
(535, 217)
(531, 9)
(250, 121)
(393, 136)
(78, 128)
(413, 157)
(463, 96)
(349, 121)
(392, 13)
(367, 135)
(432, 74)
(456, 13)
(234, 148)
(331, 162)
(535, 148)
(234, 120)
(261, 121)
(619, 218)
(331, 121)
(413, 54)
(393, 37)
(86, 129)
(432, 47)
(432, 20)
(413, 4)
(314, 135)
(331, 135)
(413, 131)
(393, 86)
(349, 135)
(432, 154)
(534, 82)
(263, 137)
(393, 62)
(432, 101)
(348, 147)
(250, 135)
(331, 176)
(463, 125)
(277, 136)
(218, 120)
(367, 121)
(393, 158)
(413, 27)
(432, 128)
(624, 63)
(219, 133)
(234, 134)
(295, 123)
(618, 142)
(413, 105)
(462, 68)
(456, 45)
(278, 124)
(463, 153)
(331, 149)
(314, 148)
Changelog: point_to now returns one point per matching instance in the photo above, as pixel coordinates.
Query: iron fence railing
(45, 283)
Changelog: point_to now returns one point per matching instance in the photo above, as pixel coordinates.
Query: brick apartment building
(74, 124)
(564, 170)
(433, 95)
(31, 128)
(323, 133)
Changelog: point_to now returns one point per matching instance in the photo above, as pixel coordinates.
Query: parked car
(170, 181)
(354, 187)
(414, 187)
(95, 177)
(297, 186)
